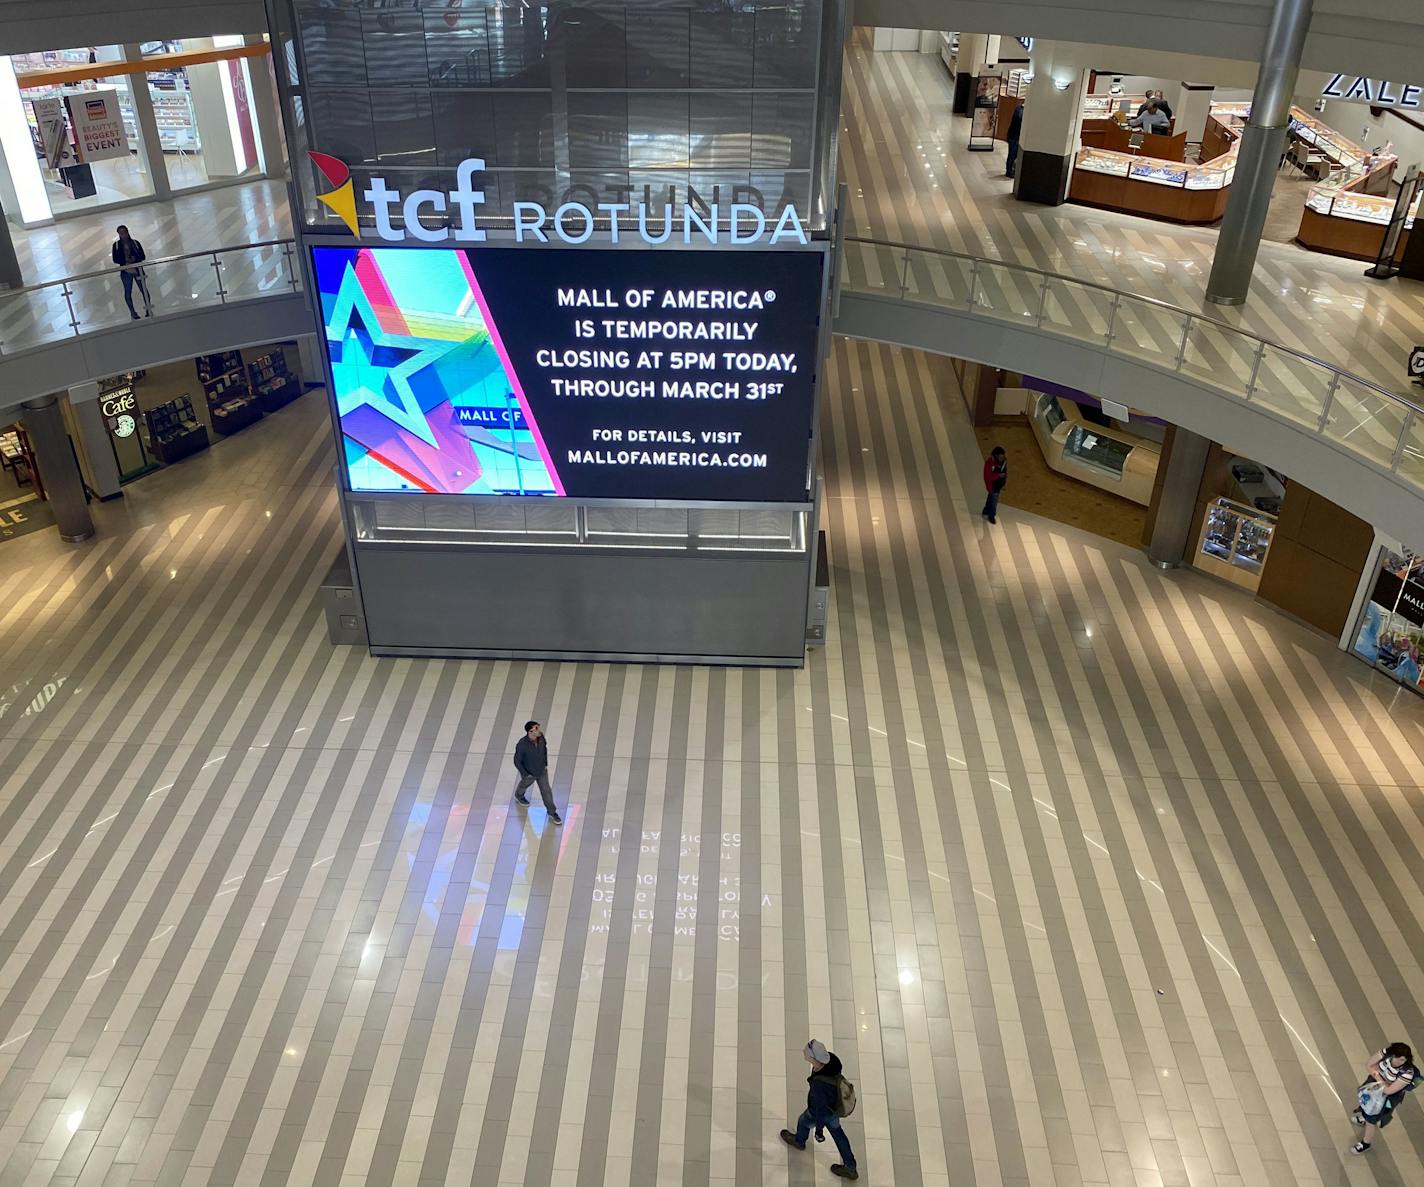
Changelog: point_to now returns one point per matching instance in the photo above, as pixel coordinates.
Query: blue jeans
(1013, 156)
(991, 505)
(805, 1122)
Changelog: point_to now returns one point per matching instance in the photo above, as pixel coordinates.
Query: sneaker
(992, 519)
(556, 818)
(1359, 1147)
(844, 1172)
(790, 1139)
(134, 316)
(519, 799)
(1357, 1117)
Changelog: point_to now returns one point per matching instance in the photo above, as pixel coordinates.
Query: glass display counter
(1112, 459)
(1234, 542)
(1104, 107)
(1214, 176)
(1364, 208)
(1088, 446)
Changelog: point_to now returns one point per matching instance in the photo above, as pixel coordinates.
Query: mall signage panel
(651, 224)
(1377, 92)
(98, 125)
(591, 373)
(53, 132)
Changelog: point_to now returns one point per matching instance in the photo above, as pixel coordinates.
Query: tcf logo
(341, 199)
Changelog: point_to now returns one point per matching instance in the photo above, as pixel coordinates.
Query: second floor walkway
(912, 180)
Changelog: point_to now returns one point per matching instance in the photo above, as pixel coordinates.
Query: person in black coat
(823, 1098)
(128, 255)
(1012, 136)
(531, 760)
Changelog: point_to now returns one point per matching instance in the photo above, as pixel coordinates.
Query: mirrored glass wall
(657, 102)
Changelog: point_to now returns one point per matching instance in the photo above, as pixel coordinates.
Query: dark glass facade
(659, 101)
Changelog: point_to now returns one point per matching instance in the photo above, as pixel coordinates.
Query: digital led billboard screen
(588, 373)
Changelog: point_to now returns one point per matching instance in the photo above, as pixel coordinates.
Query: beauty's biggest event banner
(591, 373)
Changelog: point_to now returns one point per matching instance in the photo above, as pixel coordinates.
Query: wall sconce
(1062, 84)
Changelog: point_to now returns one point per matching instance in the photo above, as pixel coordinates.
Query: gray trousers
(544, 789)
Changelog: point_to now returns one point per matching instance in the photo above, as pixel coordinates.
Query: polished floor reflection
(1089, 874)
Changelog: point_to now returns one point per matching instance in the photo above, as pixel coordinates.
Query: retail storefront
(131, 425)
(1099, 466)
(102, 126)
(1389, 630)
(1181, 173)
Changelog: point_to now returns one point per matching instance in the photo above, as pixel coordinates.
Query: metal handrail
(112, 268)
(1117, 295)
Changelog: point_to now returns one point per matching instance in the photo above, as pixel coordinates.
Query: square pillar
(1052, 123)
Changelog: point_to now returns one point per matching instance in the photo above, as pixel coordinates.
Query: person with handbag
(1391, 1074)
(129, 256)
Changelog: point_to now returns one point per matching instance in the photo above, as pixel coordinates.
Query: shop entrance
(1097, 466)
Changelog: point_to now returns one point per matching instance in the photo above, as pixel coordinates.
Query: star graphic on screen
(373, 367)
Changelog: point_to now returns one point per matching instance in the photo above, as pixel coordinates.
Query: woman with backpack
(829, 1098)
(1391, 1074)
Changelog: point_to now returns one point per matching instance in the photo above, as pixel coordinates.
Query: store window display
(1390, 632)
(70, 185)
(207, 123)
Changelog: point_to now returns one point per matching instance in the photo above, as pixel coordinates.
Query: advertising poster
(98, 125)
(1391, 632)
(54, 132)
(576, 372)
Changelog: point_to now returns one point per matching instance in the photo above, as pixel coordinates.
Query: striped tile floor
(1089, 874)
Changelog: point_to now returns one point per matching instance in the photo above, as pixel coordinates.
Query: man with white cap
(830, 1097)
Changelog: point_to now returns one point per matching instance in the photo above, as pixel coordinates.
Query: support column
(63, 486)
(1263, 141)
(1174, 497)
(10, 275)
(1192, 107)
(100, 467)
(973, 56)
(309, 351)
(1052, 126)
(148, 137)
(266, 110)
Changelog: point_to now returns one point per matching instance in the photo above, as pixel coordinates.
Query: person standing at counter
(1162, 105)
(996, 477)
(1151, 119)
(1012, 138)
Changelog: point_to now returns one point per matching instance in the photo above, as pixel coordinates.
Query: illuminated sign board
(736, 224)
(593, 373)
(1377, 92)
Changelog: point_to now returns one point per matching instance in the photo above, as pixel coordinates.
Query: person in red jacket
(996, 475)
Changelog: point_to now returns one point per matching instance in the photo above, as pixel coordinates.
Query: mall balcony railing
(41, 314)
(1351, 412)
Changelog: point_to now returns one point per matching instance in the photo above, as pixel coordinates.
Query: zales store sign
(1377, 92)
(737, 224)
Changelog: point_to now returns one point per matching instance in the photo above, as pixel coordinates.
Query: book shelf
(272, 384)
(174, 432)
(231, 403)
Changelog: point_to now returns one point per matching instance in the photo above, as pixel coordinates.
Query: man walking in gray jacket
(531, 760)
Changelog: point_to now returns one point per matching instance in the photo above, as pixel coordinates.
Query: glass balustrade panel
(1366, 421)
(1292, 386)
